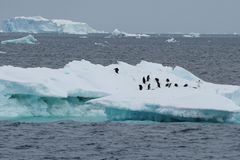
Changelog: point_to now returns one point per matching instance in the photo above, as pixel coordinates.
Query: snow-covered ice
(42, 25)
(24, 40)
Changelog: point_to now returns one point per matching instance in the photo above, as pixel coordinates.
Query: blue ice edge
(51, 109)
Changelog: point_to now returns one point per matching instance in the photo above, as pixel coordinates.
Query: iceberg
(192, 35)
(171, 40)
(24, 40)
(92, 92)
(42, 25)
(118, 33)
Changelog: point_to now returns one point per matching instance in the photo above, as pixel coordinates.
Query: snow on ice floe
(171, 40)
(192, 35)
(118, 33)
(42, 25)
(24, 40)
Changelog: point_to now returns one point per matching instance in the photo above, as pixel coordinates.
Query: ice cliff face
(43, 25)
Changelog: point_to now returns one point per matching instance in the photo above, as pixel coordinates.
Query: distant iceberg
(42, 25)
(171, 40)
(118, 33)
(24, 40)
(192, 35)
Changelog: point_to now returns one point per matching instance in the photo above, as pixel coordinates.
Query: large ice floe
(42, 25)
(24, 40)
(91, 92)
(117, 33)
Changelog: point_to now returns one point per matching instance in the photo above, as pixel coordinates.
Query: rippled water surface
(212, 58)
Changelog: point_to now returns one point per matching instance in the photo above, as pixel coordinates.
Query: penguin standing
(144, 80)
(149, 86)
(198, 83)
(116, 70)
(148, 78)
(169, 85)
(158, 83)
(176, 85)
(140, 87)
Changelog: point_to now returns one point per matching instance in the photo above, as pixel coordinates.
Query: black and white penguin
(167, 80)
(144, 80)
(158, 84)
(169, 85)
(166, 85)
(148, 78)
(185, 85)
(156, 79)
(116, 70)
(149, 86)
(140, 87)
(176, 85)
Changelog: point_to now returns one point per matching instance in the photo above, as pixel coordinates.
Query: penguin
(166, 85)
(176, 85)
(116, 70)
(158, 84)
(185, 85)
(148, 78)
(167, 80)
(149, 86)
(140, 87)
(156, 79)
(198, 83)
(169, 85)
(144, 80)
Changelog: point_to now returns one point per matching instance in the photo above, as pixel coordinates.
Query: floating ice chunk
(99, 44)
(118, 33)
(83, 37)
(43, 25)
(2, 52)
(24, 40)
(171, 40)
(192, 35)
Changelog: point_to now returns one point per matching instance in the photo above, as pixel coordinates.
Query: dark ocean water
(212, 58)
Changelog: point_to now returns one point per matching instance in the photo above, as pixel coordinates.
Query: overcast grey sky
(159, 16)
